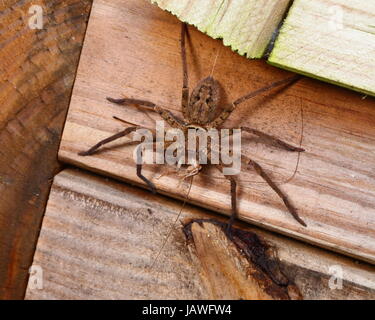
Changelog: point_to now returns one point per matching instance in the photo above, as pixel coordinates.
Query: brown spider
(201, 110)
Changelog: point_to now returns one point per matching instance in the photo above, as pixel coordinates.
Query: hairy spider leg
(228, 109)
(233, 192)
(168, 116)
(139, 171)
(117, 136)
(269, 139)
(260, 171)
(103, 142)
(185, 85)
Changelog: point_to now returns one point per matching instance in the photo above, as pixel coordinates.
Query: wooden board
(332, 41)
(132, 49)
(99, 240)
(246, 26)
(37, 69)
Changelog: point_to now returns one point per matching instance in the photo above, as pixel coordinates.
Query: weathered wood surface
(37, 69)
(100, 238)
(246, 26)
(330, 40)
(132, 49)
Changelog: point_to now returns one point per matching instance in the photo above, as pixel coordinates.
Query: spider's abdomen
(204, 101)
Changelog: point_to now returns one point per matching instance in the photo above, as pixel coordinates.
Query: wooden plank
(100, 239)
(330, 40)
(37, 69)
(246, 26)
(132, 49)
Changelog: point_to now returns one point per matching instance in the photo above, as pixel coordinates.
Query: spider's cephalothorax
(203, 102)
(201, 110)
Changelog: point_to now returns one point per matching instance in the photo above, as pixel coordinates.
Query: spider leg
(142, 177)
(168, 116)
(139, 166)
(185, 86)
(114, 137)
(285, 199)
(228, 109)
(266, 138)
(125, 101)
(233, 192)
(139, 172)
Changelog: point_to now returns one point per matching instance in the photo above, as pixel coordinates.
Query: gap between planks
(99, 239)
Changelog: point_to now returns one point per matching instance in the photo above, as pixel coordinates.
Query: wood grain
(100, 238)
(229, 268)
(132, 49)
(246, 26)
(37, 69)
(330, 40)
